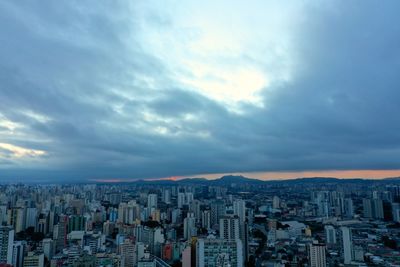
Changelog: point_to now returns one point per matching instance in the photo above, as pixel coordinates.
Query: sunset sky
(150, 89)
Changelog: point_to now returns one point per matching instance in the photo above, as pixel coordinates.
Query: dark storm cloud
(84, 89)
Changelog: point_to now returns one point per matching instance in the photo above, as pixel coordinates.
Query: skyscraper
(152, 201)
(206, 219)
(6, 244)
(181, 200)
(347, 245)
(18, 254)
(239, 209)
(189, 226)
(217, 211)
(229, 228)
(330, 234)
(317, 255)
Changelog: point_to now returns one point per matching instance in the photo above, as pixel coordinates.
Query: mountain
(228, 180)
(235, 179)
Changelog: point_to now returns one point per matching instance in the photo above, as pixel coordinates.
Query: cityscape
(212, 133)
(230, 221)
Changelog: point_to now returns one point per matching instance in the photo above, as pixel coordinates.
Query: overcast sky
(148, 89)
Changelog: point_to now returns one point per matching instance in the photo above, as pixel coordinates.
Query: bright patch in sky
(19, 152)
(219, 56)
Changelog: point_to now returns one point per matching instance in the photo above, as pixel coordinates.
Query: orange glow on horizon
(344, 174)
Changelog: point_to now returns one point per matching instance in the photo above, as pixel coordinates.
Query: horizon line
(269, 176)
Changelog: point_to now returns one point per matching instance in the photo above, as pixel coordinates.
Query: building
(217, 211)
(206, 219)
(330, 234)
(60, 232)
(34, 260)
(128, 255)
(18, 254)
(31, 217)
(347, 245)
(396, 212)
(239, 209)
(6, 244)
(218, 252)
(187, 257)
(152, 201)
(373, 208)
(48, 248)
(167, 196)
(189, 226)
(229, 228)
(76, 223)
(181, 200)
(276, 202)
(317, 255)
(17, 218)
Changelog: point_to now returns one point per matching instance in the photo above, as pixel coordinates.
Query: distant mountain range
(238, 179)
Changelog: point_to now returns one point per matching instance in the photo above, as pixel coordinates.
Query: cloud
(19, 152)
(145, 90)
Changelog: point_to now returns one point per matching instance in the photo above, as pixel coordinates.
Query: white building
(152, 201)
(239, 209)
(347, 245)
(317, 255)
(218, 252)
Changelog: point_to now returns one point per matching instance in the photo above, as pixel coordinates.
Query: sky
(149, 89)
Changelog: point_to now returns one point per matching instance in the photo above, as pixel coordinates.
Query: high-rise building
(239, 209)
(3, 214)
(206, 219)
(396, 212)
(218, 252)
(127, 250)
(6, 244)
(348, 208)
(188, 198)
(48, 248)
(167, 196)
(187, 257)
(181, 200)
(330, 234)
(189, 226)
(152, 201)
(276, 202)
(76, 223)
(18, 254)
(317, 255)
(31, 217)
(194, 207)
(17, 218)
(347, 245)
(217, 211)
(373, 208)
(60, 232)
(229, 228)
